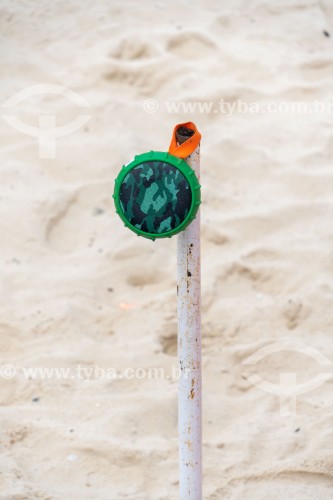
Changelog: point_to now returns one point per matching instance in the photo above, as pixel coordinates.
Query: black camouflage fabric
(155, 197)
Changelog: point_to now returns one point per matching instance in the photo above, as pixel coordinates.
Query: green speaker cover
(157, 195)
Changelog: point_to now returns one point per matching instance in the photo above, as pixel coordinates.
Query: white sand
(79, 289)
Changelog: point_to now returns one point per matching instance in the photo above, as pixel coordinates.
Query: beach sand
(81, 293)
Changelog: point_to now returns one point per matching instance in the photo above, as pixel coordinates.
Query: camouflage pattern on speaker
(155, 197)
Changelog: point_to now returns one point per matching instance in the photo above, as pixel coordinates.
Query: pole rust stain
(192, 393)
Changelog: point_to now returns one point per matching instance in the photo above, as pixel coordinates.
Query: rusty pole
(189, 348)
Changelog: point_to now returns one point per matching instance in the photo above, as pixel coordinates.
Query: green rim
(187, 172)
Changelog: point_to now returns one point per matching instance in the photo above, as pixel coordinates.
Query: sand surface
(79, 291)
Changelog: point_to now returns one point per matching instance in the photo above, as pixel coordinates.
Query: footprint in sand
(17, 435)
(214, 235)
(253, 276)
(286, 484)
(70, 219)
(294, 313)
(132, 49)
(191, 46)
(10, 340)
(145, 277)
(169, 339)
(146, 78)
(135, 63)
(317, 69)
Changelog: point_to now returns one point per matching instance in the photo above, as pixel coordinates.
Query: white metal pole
(189, 352)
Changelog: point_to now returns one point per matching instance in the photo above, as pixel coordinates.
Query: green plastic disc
(157, 195)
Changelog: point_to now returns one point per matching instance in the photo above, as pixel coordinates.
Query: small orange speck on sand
(126, 305)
